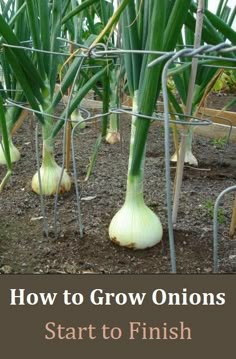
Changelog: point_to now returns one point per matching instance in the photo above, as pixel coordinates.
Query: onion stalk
(135, 218)
(153, 25)
(113, 133)
(5, 146)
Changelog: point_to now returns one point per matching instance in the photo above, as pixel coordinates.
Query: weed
(209, 206)
(219, 142)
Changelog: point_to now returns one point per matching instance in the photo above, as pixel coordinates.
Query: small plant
(219, 142)
(209, 206)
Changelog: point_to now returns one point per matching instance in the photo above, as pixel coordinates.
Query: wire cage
(100, 51)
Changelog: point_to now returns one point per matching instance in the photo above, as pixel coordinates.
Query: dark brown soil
(25, 249)
(219, 100)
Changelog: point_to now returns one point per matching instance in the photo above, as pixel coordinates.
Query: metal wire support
(167, 157)
(76, 181)
(216, 225)
(195, 121)
(76, 130)
(171, 57)
(201, 52)
(32, 49)
(43, 211)
(64, 146)
(77, 188)
(101, 51)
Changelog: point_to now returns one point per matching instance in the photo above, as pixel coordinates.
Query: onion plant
(105, 37)
(194, 84)
(113, 133)
(5, 146)
(37, 74)
(103, 12)
(213, 32)
(146, 25)
(110, 128)
(10, 88)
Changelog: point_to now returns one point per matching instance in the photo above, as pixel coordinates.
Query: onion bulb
(77, 119)
(50, 175)
(14, 152)
(112, 137)
(135, 225)
(189, 158)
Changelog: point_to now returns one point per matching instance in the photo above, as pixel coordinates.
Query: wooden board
(222, 122)
(218, 116)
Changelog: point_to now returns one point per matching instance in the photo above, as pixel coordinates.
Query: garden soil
(24, 247)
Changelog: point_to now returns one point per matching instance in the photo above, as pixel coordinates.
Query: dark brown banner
(95, 316)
